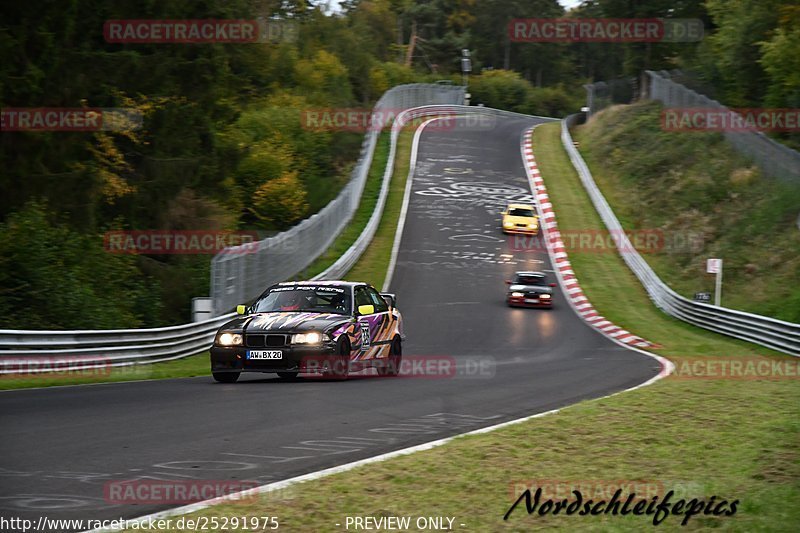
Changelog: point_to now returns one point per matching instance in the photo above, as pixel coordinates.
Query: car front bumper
(520, 231)
(519, 301)
(293, 359)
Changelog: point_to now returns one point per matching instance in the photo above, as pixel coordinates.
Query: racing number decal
(366, 342)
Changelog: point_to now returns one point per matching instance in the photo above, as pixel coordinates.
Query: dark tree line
(222, 145)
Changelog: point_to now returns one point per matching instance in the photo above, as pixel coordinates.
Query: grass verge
(196, 365)
(736, 440)
(703, 200)
(369, 199)
(371, 267)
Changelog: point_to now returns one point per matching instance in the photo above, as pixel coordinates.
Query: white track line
(667, 368)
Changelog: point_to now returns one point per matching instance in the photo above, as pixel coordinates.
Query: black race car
(529, 289)
(320, 327)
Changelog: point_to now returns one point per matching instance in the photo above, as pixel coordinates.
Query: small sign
(702, 296)
(714, 266)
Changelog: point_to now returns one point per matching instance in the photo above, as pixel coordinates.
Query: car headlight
(312, 337)
(229, 339)
(534, 225)
(517, 294)
(545, 296)
(508, 224)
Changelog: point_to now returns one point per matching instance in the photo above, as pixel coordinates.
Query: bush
(55, 278)
(504, 89)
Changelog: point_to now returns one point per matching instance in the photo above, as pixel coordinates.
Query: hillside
(702, 200)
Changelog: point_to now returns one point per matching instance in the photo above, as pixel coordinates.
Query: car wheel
(287, 375)
(392, 365)
(226, 377)
(338, 366)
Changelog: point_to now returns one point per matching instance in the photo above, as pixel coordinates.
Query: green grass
(730, 439)
(696, 184)
(369, 199)
(371, 267)
(196, 365)
(605, 278)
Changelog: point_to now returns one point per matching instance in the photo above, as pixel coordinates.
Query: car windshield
(521, 212)
(308, 298)
(530, 279)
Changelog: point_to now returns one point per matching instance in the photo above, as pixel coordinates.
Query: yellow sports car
(520, 218)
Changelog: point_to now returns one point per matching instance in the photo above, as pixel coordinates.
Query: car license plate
(531, 300)
(264, 354)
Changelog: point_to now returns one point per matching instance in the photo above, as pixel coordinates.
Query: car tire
(392, 365)
(226, 377)
(287, 375)
(339, 365)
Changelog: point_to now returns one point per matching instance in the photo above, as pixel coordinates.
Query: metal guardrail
(240, 277)
(102, 348)
(770, 332)
(775, 159)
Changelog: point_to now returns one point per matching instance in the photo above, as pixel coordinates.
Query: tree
(52, 277)
(281, 202)
(781, 60)
(729, 57)
(323, 78)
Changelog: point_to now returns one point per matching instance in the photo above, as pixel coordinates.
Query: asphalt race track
(61, 446)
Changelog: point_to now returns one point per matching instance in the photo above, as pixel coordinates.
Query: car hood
(520, 220)
(287, 321)
(517, 287)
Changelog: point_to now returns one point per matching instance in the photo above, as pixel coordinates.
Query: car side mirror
(241, 309)
(503, 212)
(390, 299)
(508, 282)
(554, 284)
(366, 309)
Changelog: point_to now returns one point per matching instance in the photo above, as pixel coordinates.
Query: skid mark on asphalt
(424, 425)
(384, 435)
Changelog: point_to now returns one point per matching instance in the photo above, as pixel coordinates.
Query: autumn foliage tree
(280, 202)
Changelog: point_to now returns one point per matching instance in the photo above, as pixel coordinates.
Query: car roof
(530, 273)
(323, 283)
(520, 206)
